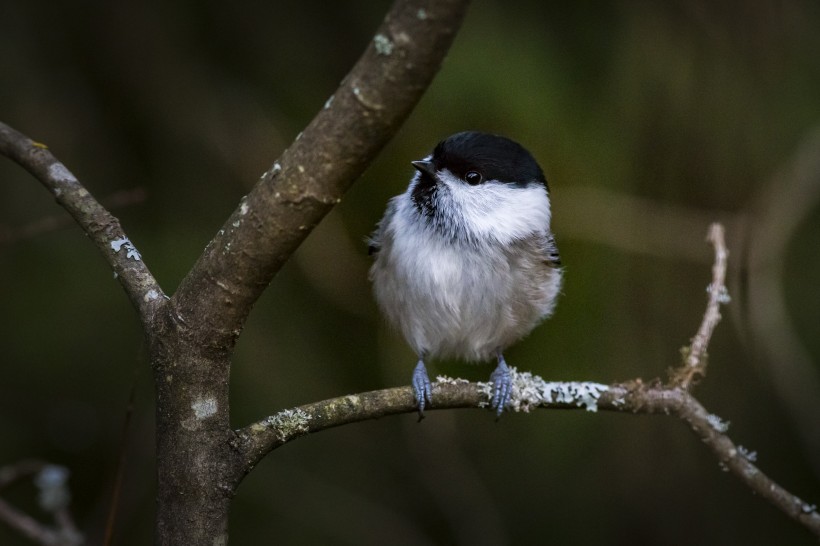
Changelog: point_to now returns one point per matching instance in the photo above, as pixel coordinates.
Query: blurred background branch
(782, 208)
(46, 224)
(53, 498)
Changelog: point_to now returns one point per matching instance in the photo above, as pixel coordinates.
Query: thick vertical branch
(312, 175)
(194, 338)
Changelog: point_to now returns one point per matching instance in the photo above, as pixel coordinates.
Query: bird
(465, 263)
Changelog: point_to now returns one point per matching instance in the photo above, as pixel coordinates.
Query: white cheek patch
(497, 210)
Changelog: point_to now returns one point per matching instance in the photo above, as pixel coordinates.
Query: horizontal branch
(320, 165)
(529, 392)
(99, 224)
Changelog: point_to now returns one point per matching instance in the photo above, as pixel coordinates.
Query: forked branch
(530, 392)
(320, 165)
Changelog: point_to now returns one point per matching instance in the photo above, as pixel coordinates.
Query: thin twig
(695, 356)
(99, 224)
(120, 473)
(18, 471)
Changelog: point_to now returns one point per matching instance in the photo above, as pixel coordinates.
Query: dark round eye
(473, 177)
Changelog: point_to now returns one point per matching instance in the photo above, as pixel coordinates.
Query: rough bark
(193, 336)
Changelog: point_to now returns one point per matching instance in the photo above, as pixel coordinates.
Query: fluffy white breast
(464, 296)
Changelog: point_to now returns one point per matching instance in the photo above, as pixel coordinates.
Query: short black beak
(425, 167)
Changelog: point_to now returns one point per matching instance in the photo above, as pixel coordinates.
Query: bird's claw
(422, 388)
(502, 386)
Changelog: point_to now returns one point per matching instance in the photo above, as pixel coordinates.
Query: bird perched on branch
(465, 262)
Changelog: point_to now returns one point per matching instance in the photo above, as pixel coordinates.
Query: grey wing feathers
(539, 251)
(551, 250)
(374, 242)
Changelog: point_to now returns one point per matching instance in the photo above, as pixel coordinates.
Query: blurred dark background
(650, 120)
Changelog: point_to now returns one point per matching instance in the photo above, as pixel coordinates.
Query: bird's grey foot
(422, 387)
(502, 386)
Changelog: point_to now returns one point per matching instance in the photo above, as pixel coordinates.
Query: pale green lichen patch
(383, 44)
(130, 250)
(289, 423)
(717, 423)
(450, 380)
(747, 454)
(530, 391)
(204, 408)
(59, 172)
(721, 292)
(271, 173)
(151, 295)
(256, 428)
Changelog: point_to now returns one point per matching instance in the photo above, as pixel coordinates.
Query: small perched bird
(465, 262)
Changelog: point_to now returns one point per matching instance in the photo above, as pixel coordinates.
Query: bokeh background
(650, 120)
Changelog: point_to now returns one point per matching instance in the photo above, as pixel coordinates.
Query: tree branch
(695, 357)
(194, 336)
(255, 441)
(312, 175)
(529, 392)
(99, 224)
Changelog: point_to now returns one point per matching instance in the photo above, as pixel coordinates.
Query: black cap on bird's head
(477, 157)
